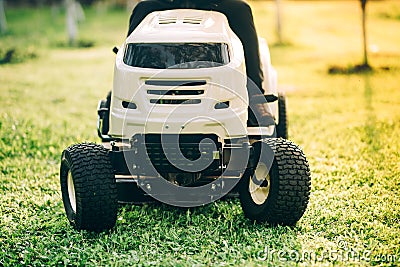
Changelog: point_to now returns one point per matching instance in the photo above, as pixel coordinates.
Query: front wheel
(278, 190)
(88, 187)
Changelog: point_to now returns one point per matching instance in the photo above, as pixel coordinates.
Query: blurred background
(338, 63)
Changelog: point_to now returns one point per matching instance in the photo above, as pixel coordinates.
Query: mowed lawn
(348, 126)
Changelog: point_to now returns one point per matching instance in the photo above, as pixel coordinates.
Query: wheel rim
(71, 191)
(259, 184)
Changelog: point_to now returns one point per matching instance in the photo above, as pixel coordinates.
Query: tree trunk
(72, 28)
(364, 29)
(278, 4)
(74, 14)
(3, 21)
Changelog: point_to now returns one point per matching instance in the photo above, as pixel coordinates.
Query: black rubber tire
(290, 185)
(105, 116)
(282, 128)
(94, 186)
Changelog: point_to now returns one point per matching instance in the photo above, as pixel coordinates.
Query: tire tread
(95, 187)
(288, 201)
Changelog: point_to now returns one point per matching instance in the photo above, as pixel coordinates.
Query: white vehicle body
(138, 107)
(176, 130)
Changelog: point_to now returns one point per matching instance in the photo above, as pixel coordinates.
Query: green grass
(348, 126)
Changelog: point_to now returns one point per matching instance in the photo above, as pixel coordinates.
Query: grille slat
(175, 92)
(167, 20)
(176, 82)
(192, 20)
(175, 101)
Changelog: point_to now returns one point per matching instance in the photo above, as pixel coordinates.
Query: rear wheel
(282, 126)
(88, 187)
(276, 192)
(104, 116)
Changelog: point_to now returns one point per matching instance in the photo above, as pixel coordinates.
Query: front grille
(163, 92)
(186, 20)
(185, 153)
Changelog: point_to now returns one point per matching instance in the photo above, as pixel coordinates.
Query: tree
(363, 8)
(278, 4)
(74, 14)
(3, 21)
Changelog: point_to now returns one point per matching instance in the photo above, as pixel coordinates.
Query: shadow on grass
(371, 130)
(220, 224)
(356, 69)
(16, 55)
(78, 44)
(224, 216)
(282, 44)
(217, 231)
(160, 234)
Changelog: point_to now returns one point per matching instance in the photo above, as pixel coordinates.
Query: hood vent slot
(176, 83)
(175, 101)
(167, 20)
(175, 92)
(193, 20)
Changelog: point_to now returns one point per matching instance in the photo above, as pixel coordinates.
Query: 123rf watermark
(343, 253)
